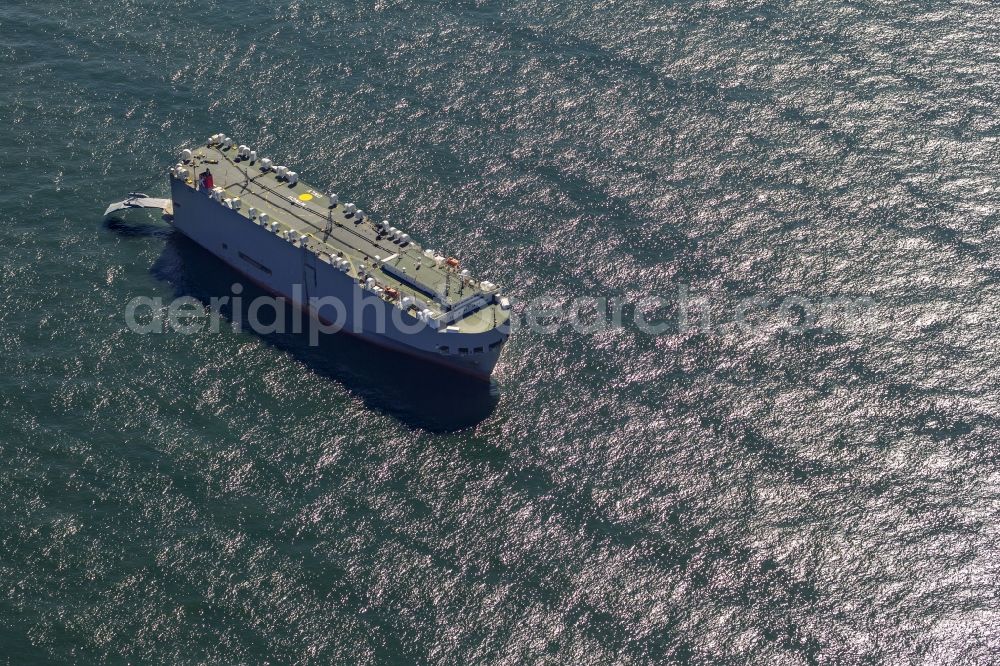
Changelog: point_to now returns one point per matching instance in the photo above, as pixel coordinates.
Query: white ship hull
(306, 280)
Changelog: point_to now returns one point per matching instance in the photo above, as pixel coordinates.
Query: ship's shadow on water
(420, 394)
(138, 229)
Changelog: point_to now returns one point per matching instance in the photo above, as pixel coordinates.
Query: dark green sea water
(734, 495)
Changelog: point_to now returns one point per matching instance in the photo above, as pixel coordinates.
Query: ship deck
(331, 232)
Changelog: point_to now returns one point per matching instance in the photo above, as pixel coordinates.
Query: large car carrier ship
(348, 270)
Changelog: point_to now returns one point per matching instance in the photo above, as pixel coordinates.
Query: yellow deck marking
(305, 196)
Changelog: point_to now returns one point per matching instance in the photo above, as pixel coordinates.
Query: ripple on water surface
(733, 494)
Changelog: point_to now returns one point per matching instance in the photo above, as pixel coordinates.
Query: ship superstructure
(345, 267)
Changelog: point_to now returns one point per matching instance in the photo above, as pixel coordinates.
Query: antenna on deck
(329, 226)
